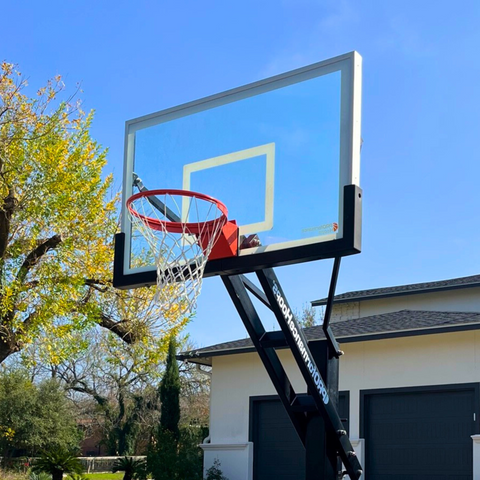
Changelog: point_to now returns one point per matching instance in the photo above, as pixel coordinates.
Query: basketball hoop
(181, 228)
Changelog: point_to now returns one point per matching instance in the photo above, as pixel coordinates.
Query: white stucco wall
(235, 379)
(408, 362)
(413, 361)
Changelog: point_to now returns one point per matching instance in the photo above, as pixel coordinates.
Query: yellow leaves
(57, 343)
(7, 68)
(7, 432)
(56, 173)
(55, 170)
(7, 298)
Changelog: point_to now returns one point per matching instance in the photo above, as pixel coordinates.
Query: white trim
(236, 459)
(127, 193)
(358, 445)
(476, 456)
(356, 123)
(224, 446)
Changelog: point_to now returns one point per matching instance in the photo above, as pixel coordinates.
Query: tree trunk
(7, 349)
(57, 475)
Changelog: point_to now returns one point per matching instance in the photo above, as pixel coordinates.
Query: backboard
(283, 154)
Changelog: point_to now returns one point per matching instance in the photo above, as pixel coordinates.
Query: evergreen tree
(162, 455)
(170, 393)
(174, 453)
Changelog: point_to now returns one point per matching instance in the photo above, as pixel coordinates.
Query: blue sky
(421, 110)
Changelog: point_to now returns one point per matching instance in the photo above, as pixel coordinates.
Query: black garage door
(278, 453)
(414, 434)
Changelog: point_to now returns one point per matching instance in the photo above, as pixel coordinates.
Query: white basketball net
(180, 256)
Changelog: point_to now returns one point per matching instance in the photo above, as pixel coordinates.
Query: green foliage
(39, 476)
(53, 214)
(308, 317)
(190, 455)
(171, 459)
(162, 456)
(57, 462)
(57, 223)
(170, 393)
(34, 417)
(133, 468)
(105, 476)
(174, 454)
(77, 476)
(214, 472)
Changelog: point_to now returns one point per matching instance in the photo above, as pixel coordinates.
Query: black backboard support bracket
(314, 415)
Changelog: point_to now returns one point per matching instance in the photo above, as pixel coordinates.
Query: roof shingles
(402, 321)
(415, 288)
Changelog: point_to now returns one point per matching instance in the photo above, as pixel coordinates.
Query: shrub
(39, 476)
(134, 469)
(56, 463)
(34, 417)
(76, 476)
(169, 459)
(214, 472)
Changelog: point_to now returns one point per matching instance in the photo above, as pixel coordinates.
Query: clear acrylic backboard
(278, 153)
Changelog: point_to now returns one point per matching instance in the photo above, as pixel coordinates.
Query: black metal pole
(310, 372)
(322, 460)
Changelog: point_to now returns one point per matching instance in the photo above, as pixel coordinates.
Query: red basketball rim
(178, 227)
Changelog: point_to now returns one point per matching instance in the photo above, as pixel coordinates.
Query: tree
(34, 417)
(194, 393)
(307, 317)
(170, 393)
(121, 382)
(115, 389)
(174, 453)
(57, 225)
(52, 211)
(162, 457)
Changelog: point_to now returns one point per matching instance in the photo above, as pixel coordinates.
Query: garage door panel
(278, 452)
(410, 435)
(414, 431)
(407, 459)
(417, 476)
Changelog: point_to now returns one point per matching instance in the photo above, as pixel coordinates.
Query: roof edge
(196, 358)
(364, 297)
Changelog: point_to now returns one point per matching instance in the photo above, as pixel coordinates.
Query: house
(409, 388)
